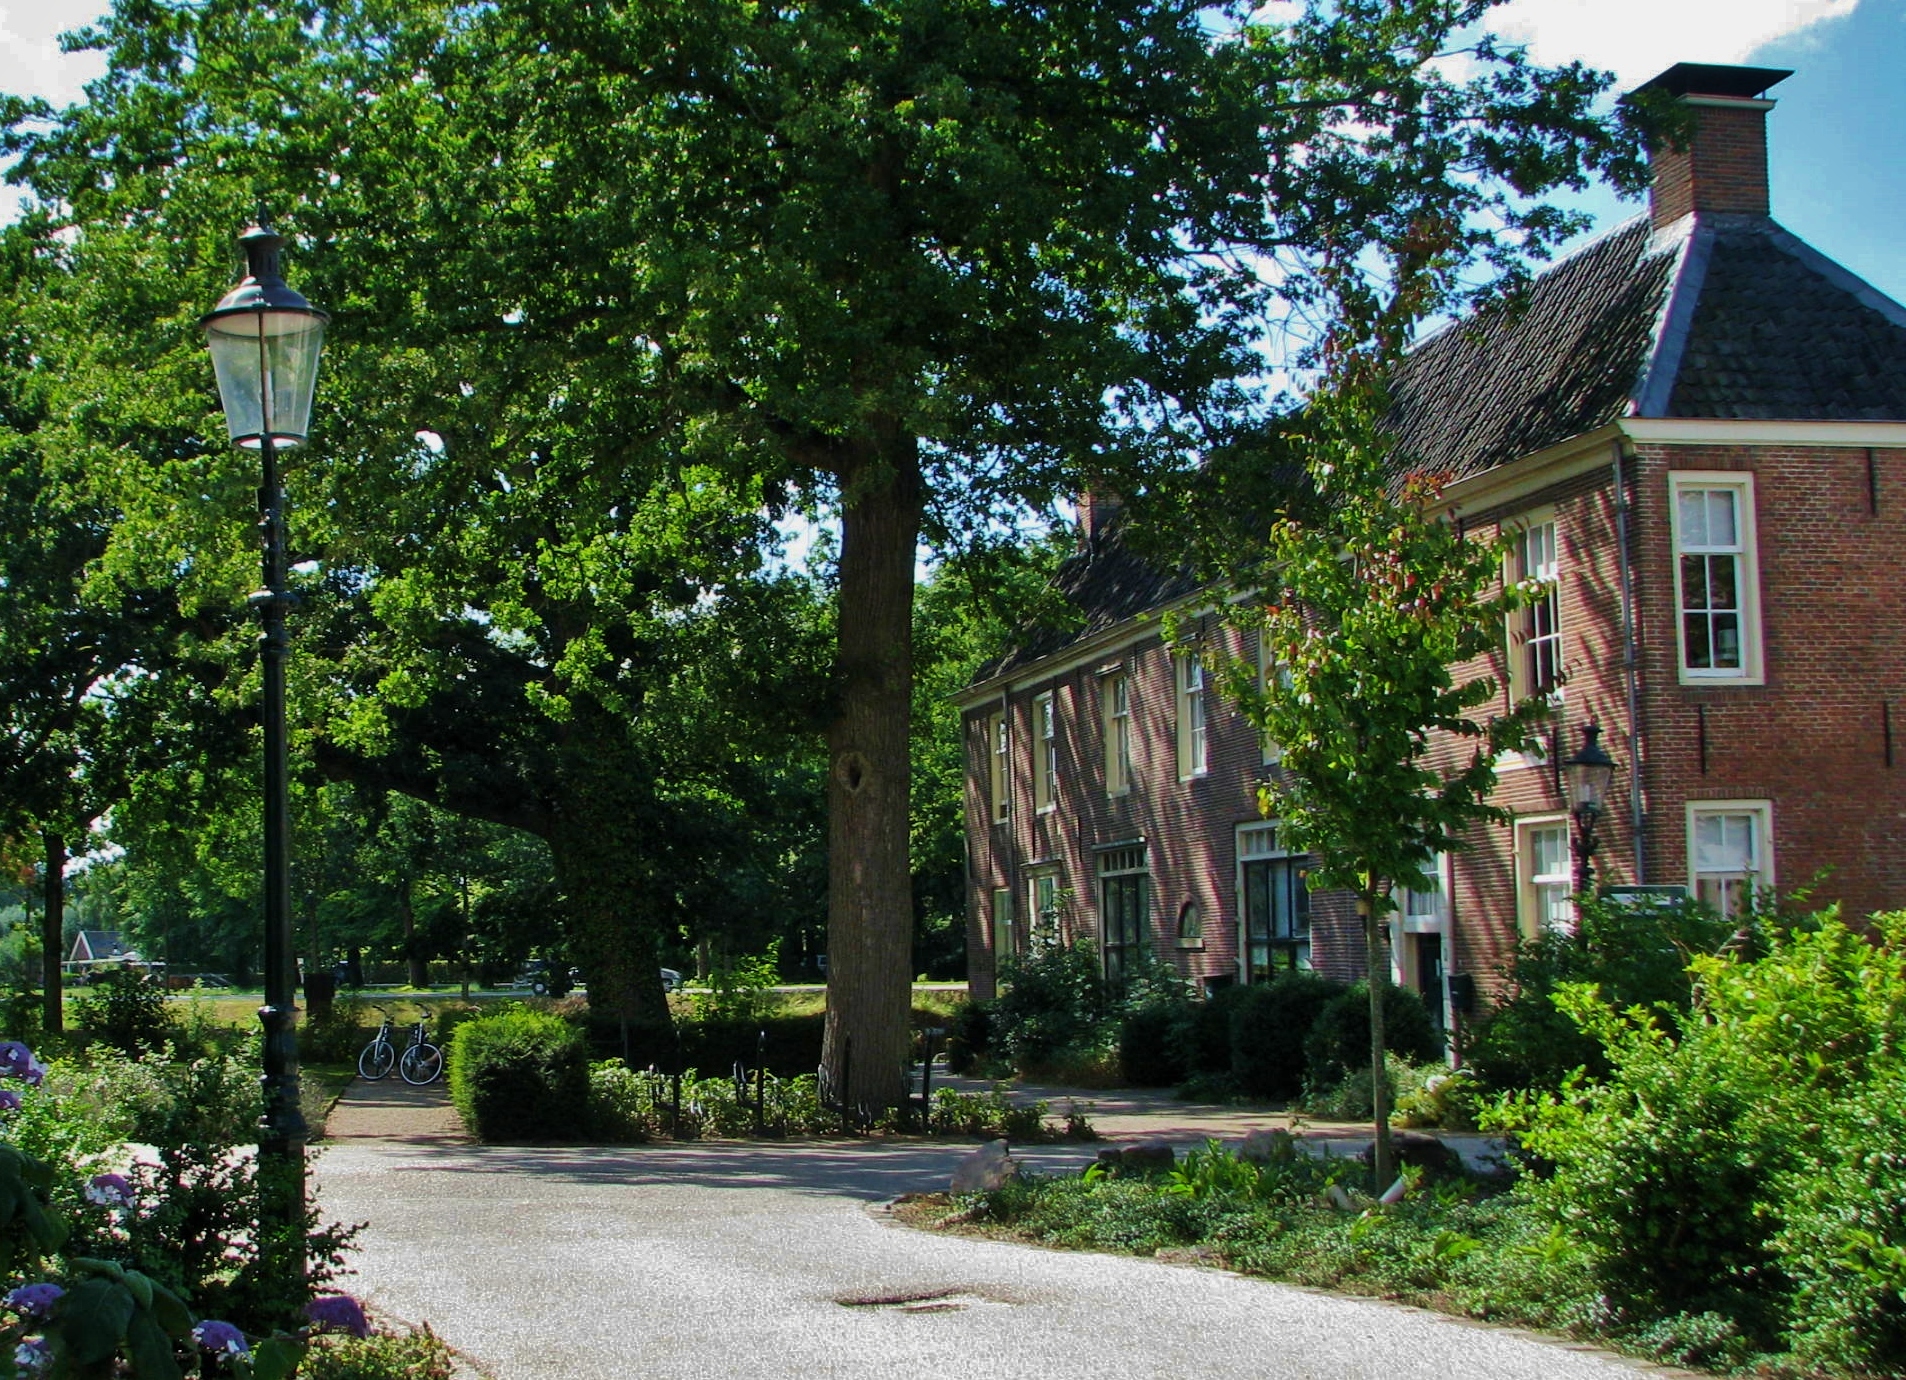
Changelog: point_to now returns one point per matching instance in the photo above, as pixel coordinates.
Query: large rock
(1425, 1152)
(986, 1169)
(1147, 1157)
(1269, 1146)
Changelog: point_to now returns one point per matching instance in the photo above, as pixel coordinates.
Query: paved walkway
(726, 1261)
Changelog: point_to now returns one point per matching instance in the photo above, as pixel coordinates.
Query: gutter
(1630, 655)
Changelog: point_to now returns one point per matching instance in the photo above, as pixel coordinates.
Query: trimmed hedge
(1149, 1047)
(1269, 1027)
(1339, 1041)
(520, 1076)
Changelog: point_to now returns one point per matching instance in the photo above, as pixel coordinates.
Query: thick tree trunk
(52, 933)
(869, 888)
(1383, 1162)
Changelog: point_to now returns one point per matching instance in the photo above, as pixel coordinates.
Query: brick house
(1694, 432)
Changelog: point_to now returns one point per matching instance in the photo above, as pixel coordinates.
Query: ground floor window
(1730, 852)
(1276, 905)
(1003, 947)
(1124, 899)
(1547, 880)
(1043, 906)
(1421, 941)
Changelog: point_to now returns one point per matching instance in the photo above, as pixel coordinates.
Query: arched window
(1191, 926)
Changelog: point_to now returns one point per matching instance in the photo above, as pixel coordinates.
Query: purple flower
(34, 1299)
(35, 1073)
(337, 1311)
(9, 1100)
(221, 1336)
(33, 1356)
(109, 1190)
(15, 1058)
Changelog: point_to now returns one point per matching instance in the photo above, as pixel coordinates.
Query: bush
(969, 1036)
(1269, 1026)
(337, 1036)
(1150, 1052)
(1205, 1041)
(126, 1010)
(520, 1075)
(1054, 1009)
(414, 1356)
(1339, 1041)
(1634, 955)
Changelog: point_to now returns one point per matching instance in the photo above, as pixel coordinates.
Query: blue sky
(1838, 135)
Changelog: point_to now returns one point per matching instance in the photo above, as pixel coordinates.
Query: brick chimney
(1724, 166)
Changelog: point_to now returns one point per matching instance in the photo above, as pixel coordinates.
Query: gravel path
(724, 1260)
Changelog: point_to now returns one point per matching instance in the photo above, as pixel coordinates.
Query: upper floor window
(1425, 900)
(1730, 851)
(1045, 752)
(1715, 576)
(1115, 694)
(1536, 642)
(1270, 671)
(1191, 716)
(1001, 775)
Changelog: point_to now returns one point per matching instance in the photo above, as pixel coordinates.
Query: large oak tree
(916, 260)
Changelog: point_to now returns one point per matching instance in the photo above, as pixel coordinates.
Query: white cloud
(1637, 39)
(31, 63)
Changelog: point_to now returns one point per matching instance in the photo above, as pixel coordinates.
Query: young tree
(1365, 604)
(922, 260)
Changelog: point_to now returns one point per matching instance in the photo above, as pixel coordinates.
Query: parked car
(671, 980)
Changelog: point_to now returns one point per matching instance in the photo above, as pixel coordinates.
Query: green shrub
(520, 1076)
(126, 1010)
(1150, 1052)
(413, 1356)
(337, 1036)
(1635, 955)
(1339, 1040)
(969, 1036)
(1269, 1025)
(1054, 1008)
(1206, 1039)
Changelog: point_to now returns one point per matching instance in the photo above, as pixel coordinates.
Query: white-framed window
(1535, 640)
(1730, 851)
(1192, 746)
(1115, 704)
(1191, 926)
(998, 744)
(1716, 576)
(1003, 945)
(1545, 874)
(1044, 902)
(1273, 905)
(1045, 752)
(1124, 909)
(1419, 938)
(1271, 751)
(1424, 907)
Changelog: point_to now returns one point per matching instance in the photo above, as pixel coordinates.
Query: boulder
(1425, 1152)
(1270, 1146)
(1147, 1157)
(986, 1169)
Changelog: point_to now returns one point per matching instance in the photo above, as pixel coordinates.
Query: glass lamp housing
(1589, 773)
(265, 341)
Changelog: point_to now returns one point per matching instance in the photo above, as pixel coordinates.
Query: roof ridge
(1655, 384)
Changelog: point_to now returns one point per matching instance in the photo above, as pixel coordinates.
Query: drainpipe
(1630, 656)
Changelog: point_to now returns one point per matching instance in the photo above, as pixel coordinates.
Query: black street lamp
(265, 340)
(1587, 775)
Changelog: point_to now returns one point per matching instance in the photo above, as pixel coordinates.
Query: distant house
(99, 946)
(1693, 433)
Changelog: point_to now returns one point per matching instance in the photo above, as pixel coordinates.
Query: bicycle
(379, 1056)
(422, 1062)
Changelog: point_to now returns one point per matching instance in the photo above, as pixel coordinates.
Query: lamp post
(265, 340)
(1587, 775)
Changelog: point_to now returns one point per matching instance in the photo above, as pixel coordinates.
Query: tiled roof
(1717, 317)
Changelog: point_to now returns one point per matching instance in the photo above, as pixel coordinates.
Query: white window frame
(1005, 942)
(1745, 549)
(1531, 886)
(1036, 916)
(1524, 622)
(999, 746)
(1263, 841)
(1418, 917)
(1115, 704)
(1271, 752)
(1194, 730)
(1045, 753)
(1762, 814)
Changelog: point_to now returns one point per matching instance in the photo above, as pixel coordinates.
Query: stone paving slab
(391, 1109)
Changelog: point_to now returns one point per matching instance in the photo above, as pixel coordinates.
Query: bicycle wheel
(421, 1064)
(376, 1060)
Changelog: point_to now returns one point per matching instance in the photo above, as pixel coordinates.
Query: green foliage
(1054, 1006)
(969, 1036)
(337, 1036)
(739, 987)
(27, 1230)
(1269, 1029)
(126, 1010)
(1339, 1039)
(419, 1355)
(1148, 1049)
(520, 1076)
(1634, 955)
